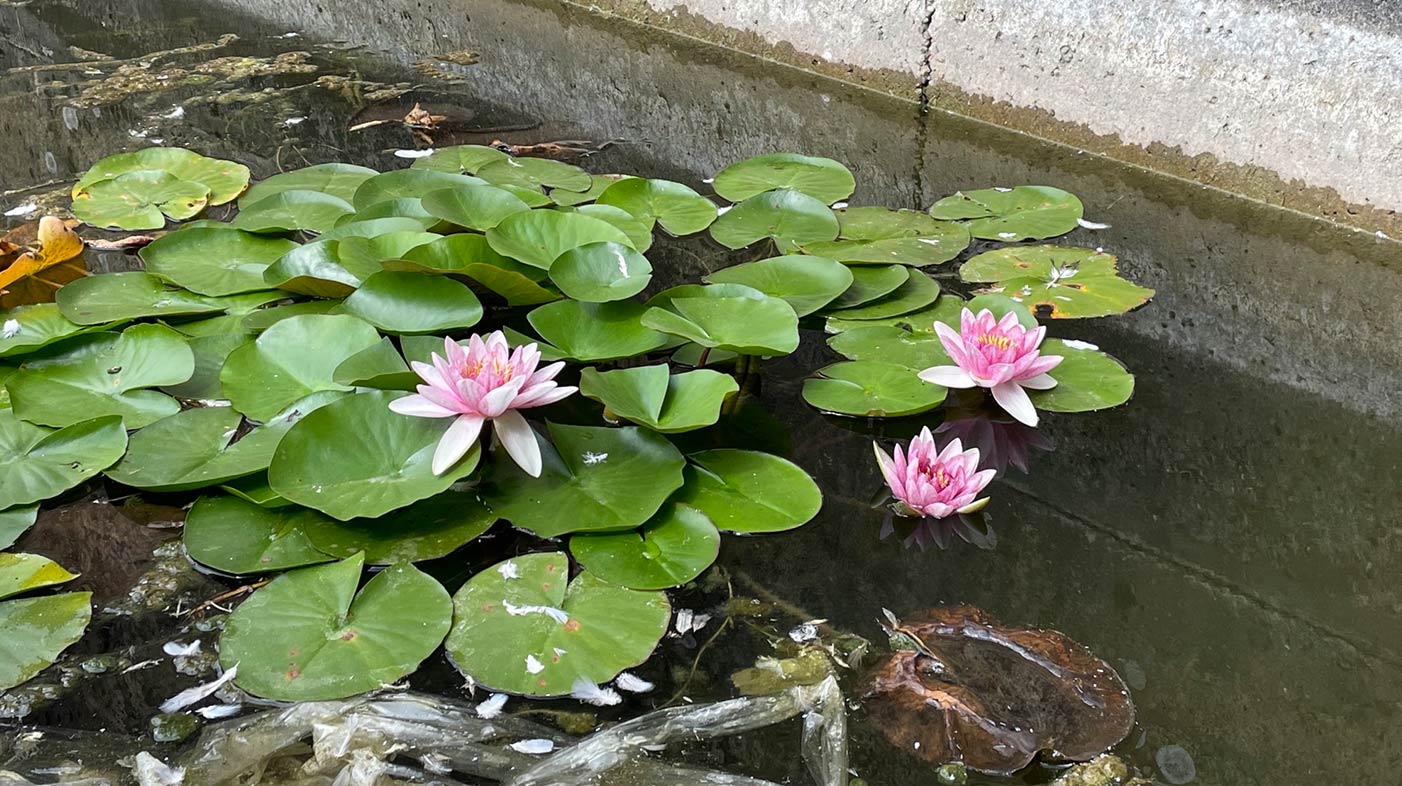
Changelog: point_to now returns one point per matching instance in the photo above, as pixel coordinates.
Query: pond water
(1229, 540)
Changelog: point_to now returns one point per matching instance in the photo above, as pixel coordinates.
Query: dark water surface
(1230, 541)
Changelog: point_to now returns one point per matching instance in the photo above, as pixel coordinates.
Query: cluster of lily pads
(251, 366)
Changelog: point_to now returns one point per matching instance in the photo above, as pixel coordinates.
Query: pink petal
(947, 376)
(497, 401)
(979, 480)
(546, 374)
(1013, 399)
(496, 339)
(1039, 382)
(419, 407)
(954, 448)
(952, 341)
(453, 352)
(428, 374)
(456, 442)
(1043, 364)
(541, 395)
(888, 470)
(938, 510)
(967, 322)
(1008, 322)
(519, 440)
(442, 398)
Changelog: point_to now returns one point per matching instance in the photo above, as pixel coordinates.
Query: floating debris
(198, 693)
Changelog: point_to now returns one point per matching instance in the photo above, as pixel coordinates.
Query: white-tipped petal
(1014, 400)
(1039, 382)
(947, 376)
(519, 440)
(456, 442)
(419, 407)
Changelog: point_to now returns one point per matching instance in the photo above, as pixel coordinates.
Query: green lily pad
(264, 318)
(535, 173)
(872, 283)
(365, 256)
(639, 232)
(354, 457)
(113, 297)
(139, 200)
(733, 317)
(946, 309)
(407, 183)
(34, 327)
(470, 256)
(312, 269)
(38, 463)
(21, 573)
(651, 396)
(676, 546)
(284, 211)
(377, 366)
(1022, 213)
(214, 261)
(883, 223)
(871, 389)
(806, 283)
(195, 448)
(593, 332)
(821, 178)
(749, 491)
(519, 627)
(255, 489)
(338, 180)
(592, 479)
(241, 538)
(1087, 380)
(100, 374)
(37, 630)
(308, 636)
(912, 251)
(353, 226)
(539, 237)
(916, 293)
(459, 159)
(888, 344)
(398, 302)
(224, 179)
(678, 208)
(784, 215)
(14, 521)
(473, 207)
(433, 528)
(1055, 282)
(210, 352)
(999, 305)
(410, 209)
(292, 359)
(600, 272)
(597, 186)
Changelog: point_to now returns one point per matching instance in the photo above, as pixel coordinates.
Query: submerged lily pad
(398, 302)
(223, 179)
(871, 388)
(433, 528)
(594, 332)
(1055, 282)
(214, 261)
(1087, 380)
(37, 630)
(732, 317)
(139, 200)
(916, 293)
(14, 521)
(539, 237)
(34, 327)
(784, 215)
(473, 207)
(749, 491)
(355, 458)
(309, 636)
(21, 573)
(292, 359)
(806, 283)
(679, 209)
(284, 211)
(112, 297)
(522, 627)
(820, 178)
(1022, 213)
(338, 180)
(651, 396)
(592, 479)
(39, 463)
(600, 272)
(676, 546)
(195, 448)
(241, 538)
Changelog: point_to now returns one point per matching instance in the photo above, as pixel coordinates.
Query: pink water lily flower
(928, 482)
(1002, 356)
(486, 381)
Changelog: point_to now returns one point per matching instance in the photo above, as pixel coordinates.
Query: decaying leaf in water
(994, 696)
(36, 259)
(563, 150)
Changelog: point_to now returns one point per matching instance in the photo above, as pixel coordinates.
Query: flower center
(942, 479)
(995, 340)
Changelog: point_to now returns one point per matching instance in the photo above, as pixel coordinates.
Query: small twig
(223, 596)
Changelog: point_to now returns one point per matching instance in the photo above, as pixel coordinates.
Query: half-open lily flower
(928, 482)
(1002, 356)
(485, 381)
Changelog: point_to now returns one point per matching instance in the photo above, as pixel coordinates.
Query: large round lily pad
(539, 237)
(888, 344)
(596, 331)
(312, 269)
(652, 396)
(378, 366)
(676, 546)
(1087, 380)
(912, 251)
(1022, 213)
(535, 173)
(309, 636)
(432, 528)
(292, 359)
(946, 309)
(288, 210)
(223, 179)
(785, 216)
(214, 261)
(139, 200)
(473, 207)
(354, 457)
(732, 317)
(338, 180)
(872, 389)
(523, 627)
(37, 463)
(679, 209)
(807, 283)
(872, 283)
(196, 448)
(365, 256)
(592, 479)
(1055, 282)
(459, 159)
(639, 231)
(750, 491)
(407, 183)
(112, 297)
(821, 178)
(916, 293)
(20, 573)
(398, 302)
(34, 327)
(600, 272)
(37, 630)
(241, 538)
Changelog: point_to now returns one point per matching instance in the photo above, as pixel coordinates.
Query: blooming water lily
(928, 482)
(485, 381)
(1002, 356)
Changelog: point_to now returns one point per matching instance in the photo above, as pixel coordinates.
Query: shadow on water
(1229, 541)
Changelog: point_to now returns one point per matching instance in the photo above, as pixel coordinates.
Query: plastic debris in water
(151, 771)
(22, 210)
(633, 683)
(537, 747)
(805, 632)
(492, 706)
(589, 693)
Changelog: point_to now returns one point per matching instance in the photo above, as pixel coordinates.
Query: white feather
(589, 693)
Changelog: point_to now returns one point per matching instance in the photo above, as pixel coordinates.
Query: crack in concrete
(923, 101)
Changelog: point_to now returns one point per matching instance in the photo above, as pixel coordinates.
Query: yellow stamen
(1001, 342)
(942, 479)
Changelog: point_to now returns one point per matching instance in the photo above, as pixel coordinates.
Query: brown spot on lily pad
(995, 696)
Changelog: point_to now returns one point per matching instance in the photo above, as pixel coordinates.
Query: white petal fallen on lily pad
(1074, 344)
(533, 664)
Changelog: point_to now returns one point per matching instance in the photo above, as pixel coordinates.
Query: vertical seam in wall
(927, 74)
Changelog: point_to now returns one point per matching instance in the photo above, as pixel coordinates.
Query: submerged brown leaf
(994, 696)
(38, 258)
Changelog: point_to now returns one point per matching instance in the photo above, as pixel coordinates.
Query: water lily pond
(388, 406)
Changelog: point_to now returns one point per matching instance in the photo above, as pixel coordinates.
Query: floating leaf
(871, 283)
(113, 297)
(1061, 283)
(473, 207)
(821, 178)
(653, 397)
(377, 366)
(916, 293)
(593, 332)
(214, 261)
(223, 179)
(308, 636)
(597, 186)
(946, 309)
(728, 316)
(883, 223)
(410, 210)
(34, 326)
(354, 457)
(534, 173)
(433, 528)
(351, 226)
(99, 374)
(284, 211)
(871, 388)
(679, 209)
(912, 251)
(39, 264)
(312, 269)
(364, 256)
(338, 180)
(264, 318)
(639, 232)
(749, 491)
(600, 272)
(539, 237)
(459, 159)
(592, 479)
(37, 630)
(407, 183)
(784, 215)
(14, 521)
(518, 627)
(1022, 213)
(806, 283)
(210, 353)
(21, 573)
(41, 463)
(888, 344)
(195, 448)
(676, 546)
(398, 302)
(292, 359)
(139, 200)
(1087, 380)
(255, 489)
(239, 537)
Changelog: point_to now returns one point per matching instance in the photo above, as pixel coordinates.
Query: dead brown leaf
(38, 258)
